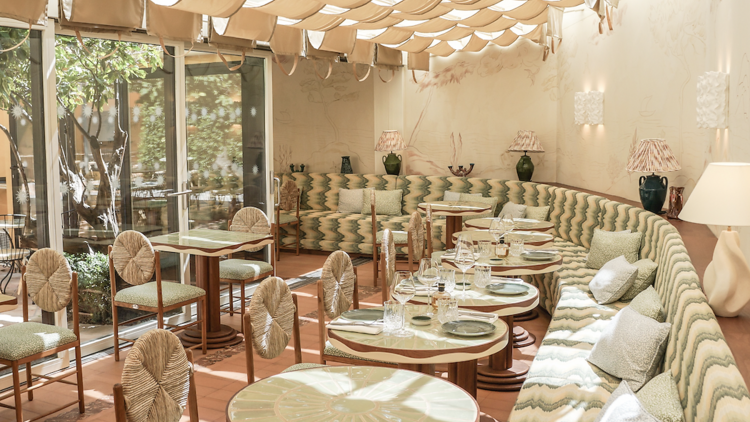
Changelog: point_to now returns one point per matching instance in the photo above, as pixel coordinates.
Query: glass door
(116, 119)
(226, 138)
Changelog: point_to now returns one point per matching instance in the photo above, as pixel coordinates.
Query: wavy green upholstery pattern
(562, 385)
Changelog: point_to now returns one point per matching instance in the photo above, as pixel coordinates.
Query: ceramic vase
(675, 201)
(346, 165)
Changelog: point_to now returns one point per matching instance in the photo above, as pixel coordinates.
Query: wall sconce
(589, 108)
(713, 100)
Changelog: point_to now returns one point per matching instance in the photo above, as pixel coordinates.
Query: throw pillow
(606, 246)
(613, 280)
(648, 303)
(350, 200)
(537, 213)
(646, 275)
(456, 196)
(661, 399)
(512, 210)
(624, 406)
(631, 347)
(468, 197)
(387, 202)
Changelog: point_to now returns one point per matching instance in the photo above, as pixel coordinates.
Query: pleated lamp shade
(390, 140)
(526, 141)
(651, 156)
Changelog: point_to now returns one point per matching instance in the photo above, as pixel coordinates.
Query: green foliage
(86, 77)
(94, 290)
(15, 83)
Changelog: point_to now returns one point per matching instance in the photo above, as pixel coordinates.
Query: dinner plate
(507, 289)
(538, 255)
(464, 328)
(363, 314)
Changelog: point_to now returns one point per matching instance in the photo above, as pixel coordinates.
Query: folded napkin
(357, 327)
(477, 316)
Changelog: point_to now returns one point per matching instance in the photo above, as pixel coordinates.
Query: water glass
(448, 276)
(428, 274)
(485, 248)
(482, 275)
(516, 247)
(447, 310)
(392, 316)
(403, 290)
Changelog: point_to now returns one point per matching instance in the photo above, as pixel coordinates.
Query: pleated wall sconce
(713, 100)
(589, 108)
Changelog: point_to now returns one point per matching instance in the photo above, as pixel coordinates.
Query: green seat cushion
(537, 213)
(606, 246)
(387, 202)
(240, 269)
(332, 351)
(25, 339)
(301, 366)
(399, 237)
(285, 218)
(171, 293)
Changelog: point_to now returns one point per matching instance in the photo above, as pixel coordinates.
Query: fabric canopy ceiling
(311, 27)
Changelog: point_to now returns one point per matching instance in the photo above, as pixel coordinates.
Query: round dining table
(454, 212)
(531, 240)
(509, 266)
(503, 372)
(520, 224)
(428, 346)
(352, 393)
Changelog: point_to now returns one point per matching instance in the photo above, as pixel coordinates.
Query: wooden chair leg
(231, 299)
(160, 319)
(79, 376)
(297, 238)
(204, 325)
(116, 332)
(242, 305)
(192, 394)
(30, 394)
(375, 265)
(277, 244)
(119, 398)
(17, 391)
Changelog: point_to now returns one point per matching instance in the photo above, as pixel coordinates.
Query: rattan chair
(287, 215)
(413, 239)
(49, 281)
(337, 292)
(242, 271)
(388, 256)
(133, 258)
(270, 323)
(157, 381)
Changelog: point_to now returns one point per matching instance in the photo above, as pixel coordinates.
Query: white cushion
(511, 209)
(613, 280)
(350, 200)
(456, 196)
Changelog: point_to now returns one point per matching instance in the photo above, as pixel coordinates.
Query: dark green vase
(525, 168)
(392, 163)
(653, 192)
(346, 165)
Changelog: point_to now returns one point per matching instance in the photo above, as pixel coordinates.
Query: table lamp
(653, 155)
(525, 141)
(719, 199)
(391, 140)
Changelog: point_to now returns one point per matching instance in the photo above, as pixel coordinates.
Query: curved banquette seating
(561, 384)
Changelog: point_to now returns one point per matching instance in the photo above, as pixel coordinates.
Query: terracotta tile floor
(218, 382)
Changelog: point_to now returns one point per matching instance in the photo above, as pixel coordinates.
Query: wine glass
(428, 275)
(403, 290)
(509, 224)
(497, 229)
(465, 258)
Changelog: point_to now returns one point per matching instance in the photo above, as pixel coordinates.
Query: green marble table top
(480, 299)
(209, 242)
(352, 394)
(455, 207)
(530, 225)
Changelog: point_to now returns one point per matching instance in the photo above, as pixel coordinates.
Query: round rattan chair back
(133, 257)
(156, 378)
(272, 317)
(288, 196)
(416, 229)
(338, 284)
(389, 251)
(251, 220)
(48, 280)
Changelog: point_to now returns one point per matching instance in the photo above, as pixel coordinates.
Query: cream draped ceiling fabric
(365, 32)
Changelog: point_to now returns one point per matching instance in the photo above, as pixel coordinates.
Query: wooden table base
(527, 316)
(427, 369)
(453, 223)
(503, 373)
(225, 337)
(522, 338)
(464, 375)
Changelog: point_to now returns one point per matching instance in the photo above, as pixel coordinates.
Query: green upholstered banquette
(561, 384)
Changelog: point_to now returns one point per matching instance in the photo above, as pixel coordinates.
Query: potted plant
(94, 291)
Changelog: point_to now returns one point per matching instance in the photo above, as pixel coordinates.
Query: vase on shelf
(346, 165)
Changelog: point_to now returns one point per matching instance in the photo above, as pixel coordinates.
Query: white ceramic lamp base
(727, 278)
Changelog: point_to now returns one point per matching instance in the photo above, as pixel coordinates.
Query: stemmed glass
(403, 290)
(465, 258)
(509, 224)
(428, 275)
(497, 229)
